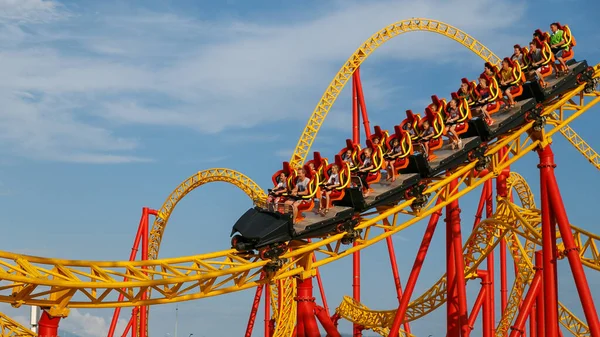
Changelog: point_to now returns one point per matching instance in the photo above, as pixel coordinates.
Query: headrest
(509, 61)
(317, 159)
(455, 96)
(486, 78)
(339, 162)
(430, 114)
(435, 100)
(308, 172)
(559, 26)
(349, 145)
(378, 133)
(538, 42)
(400, 132)
(286, 168)
(370, 144)
(489, 65)
(538, 33)
(410, 115)
(465, 80)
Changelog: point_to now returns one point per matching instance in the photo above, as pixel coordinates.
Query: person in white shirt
(295, 196)
(276, 193)
(329, 186)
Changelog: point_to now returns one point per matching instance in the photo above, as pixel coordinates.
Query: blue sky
(107, 106)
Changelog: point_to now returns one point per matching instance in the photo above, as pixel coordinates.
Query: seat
(441, 104)
(518, 78)
(526, 61)
(403, 137)
(547, 57)
(494, 68)
(413, 121)
(437, 121)
(492, 105)
(472, 90)
(382, 135)
(464, 112)
(542, 36)
(307, 202)
(569, 41)
(289, 172)
(345, 178)
(355, 148)
(319, 163)
(377, 158)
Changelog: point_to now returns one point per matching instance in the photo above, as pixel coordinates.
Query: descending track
(58, 284)
(11, 328)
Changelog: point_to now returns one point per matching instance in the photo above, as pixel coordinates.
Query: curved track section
(233, 177)
(29, 280)
(377, 40)
(11, 328)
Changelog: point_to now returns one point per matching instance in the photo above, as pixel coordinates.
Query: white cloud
(30, 10)
(175, 71)
(88, 325)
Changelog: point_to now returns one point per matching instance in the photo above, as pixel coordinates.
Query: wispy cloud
(76, 104)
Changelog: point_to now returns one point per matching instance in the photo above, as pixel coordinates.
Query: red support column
(532, 322)
(144, 309)
(48, 325)
(355, 113)
(453, 214)
(396, 274)
(306, 306)
(414, 274)
(268, 310)
(356, 329)
(361, 103)
(571, 249)
(477, 307)
(452, 313)
(548, 246)
(518, 328)
(491, 300)
(254, 310)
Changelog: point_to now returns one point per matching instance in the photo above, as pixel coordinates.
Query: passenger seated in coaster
(535, 67)
(483, 99)
(467, 91)
(453, 115)
(390, 159)
(492, 71)
(558, 46)
(364, 169)
(277, 192)
(347, 157)
(425, 136)
(506, 83)
(518, 55)
(295, 195)
(328, 187)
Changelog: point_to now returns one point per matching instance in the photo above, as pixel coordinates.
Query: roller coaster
(279, 250)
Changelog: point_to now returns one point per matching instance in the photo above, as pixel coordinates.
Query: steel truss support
(553, 213)
(139, 317)
(309, 312)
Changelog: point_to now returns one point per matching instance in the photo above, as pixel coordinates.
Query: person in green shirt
(558, 46)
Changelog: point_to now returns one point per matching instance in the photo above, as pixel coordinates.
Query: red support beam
(48, 325)
(254, 310)
(396, 274)
(355, 113)
(548, 247)
(571, 249)
(361, 102)
(268, 309)
(518, 329)
(416, 269)
(356, 329)
(490, 304)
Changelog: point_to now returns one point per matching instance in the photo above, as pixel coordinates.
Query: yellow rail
(11, 328)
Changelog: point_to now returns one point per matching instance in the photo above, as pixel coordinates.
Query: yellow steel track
(11, 328)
